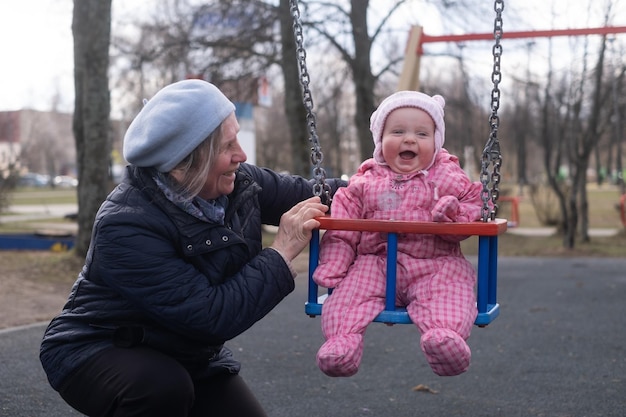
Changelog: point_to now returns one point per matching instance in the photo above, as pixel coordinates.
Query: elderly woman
(176, 267)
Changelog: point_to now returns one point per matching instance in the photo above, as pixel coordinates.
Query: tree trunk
(91, 28)
(569, 236)
(589, 141)
(364, 80)
(294, 107)
(598, 163)
(584, 211)
(619, 138)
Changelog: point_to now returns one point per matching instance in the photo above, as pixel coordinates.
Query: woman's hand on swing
(294, 230)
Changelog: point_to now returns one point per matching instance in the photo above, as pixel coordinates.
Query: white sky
(37, 48)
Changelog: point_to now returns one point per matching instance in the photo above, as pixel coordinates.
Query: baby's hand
(328, 275)
(446, 209)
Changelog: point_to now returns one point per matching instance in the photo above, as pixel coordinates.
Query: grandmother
(176, 267)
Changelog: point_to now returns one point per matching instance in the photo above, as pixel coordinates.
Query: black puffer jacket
(157, 276)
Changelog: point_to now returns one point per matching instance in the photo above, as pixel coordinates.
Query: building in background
(42, 143)
(39, 142)
(9, 142)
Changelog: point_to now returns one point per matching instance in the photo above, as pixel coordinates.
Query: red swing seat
(486, 291)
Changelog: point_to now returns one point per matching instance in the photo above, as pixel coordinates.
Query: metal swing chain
(491, 152)
(320, 188)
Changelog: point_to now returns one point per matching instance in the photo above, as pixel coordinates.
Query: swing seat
(486, 290)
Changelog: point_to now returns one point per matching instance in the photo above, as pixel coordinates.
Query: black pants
(142, 382)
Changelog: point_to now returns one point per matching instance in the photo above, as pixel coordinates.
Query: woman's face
(221, 178)
(408, 140)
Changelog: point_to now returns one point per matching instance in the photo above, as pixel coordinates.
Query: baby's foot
(341, 355)
(446, 352)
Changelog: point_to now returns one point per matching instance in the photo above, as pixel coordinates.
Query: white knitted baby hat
(432, 105)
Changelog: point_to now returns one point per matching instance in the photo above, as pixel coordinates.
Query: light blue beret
(174, 122)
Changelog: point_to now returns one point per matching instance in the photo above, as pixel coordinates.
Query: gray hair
(194, 168)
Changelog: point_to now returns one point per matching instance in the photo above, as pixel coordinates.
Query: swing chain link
(491, 152)
(320, 187)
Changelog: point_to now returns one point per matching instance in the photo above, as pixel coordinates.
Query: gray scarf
(211, 211)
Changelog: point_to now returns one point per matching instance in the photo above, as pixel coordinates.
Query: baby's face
(408, 141)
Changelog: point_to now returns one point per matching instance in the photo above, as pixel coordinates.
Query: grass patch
(24, 196)
(552, 246)
(63, 267)
(603, 209)
(42, 266)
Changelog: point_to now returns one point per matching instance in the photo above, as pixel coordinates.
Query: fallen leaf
(424, 388)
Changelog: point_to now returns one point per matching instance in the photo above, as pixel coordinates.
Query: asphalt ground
(558, 349)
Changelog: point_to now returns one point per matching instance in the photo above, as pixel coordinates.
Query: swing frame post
(487, 286)
(312, 306)
(392, 314)
(392, 261)
(622, 206)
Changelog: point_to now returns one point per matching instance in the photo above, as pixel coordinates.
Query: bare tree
(573, 123)
(272, 130)
(91, 28)
(336, 115)
(47, 146)
(330, 20)
(588, 140)
(226, 42)
(293, 97)
(614, 157)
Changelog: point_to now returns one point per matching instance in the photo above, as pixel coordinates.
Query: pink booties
(341, 355)
(446, 352)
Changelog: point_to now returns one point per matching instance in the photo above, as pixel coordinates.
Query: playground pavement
(558, 349)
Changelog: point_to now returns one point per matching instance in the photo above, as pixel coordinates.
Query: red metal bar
(622, 205)
(514, 220)
(518, 35)
(525, 34)
(478, 228)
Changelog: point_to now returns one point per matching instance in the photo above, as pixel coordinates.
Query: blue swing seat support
(487, 268)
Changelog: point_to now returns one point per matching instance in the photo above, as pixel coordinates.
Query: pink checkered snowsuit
(434, 280)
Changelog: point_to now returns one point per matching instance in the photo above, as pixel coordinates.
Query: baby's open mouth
(407, 155)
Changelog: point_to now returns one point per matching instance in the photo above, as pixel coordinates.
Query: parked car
(33, 180)
(65, 181)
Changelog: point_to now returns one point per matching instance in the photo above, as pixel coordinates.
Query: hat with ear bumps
(432, 105)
